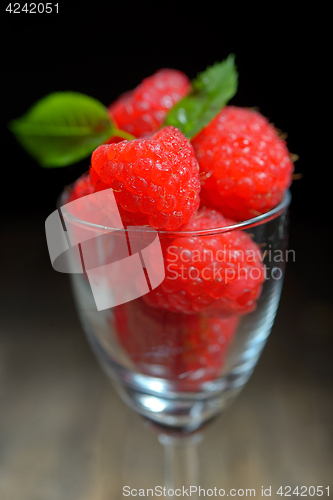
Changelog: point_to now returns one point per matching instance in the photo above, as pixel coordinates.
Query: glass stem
(181, 464)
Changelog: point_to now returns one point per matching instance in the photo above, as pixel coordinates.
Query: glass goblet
(176, 367)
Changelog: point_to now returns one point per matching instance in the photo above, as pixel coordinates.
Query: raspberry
(143, 110)
(155, 181)
(245, 166)
(81, 187)
(221, 272)
(188, 349)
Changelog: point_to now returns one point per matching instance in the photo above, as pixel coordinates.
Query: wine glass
(177, 369)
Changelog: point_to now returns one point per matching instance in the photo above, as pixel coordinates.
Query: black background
(282, 61)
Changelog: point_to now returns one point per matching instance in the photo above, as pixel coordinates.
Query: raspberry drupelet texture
(155, 181)
(81, 187)
(222, 272)
(143, 110)
(245, 166)
(185, 348)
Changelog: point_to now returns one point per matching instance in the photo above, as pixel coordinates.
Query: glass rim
(246, 224)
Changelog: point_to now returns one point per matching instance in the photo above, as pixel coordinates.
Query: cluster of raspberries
(234, 169)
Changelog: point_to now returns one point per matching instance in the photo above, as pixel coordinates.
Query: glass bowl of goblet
(176, 357)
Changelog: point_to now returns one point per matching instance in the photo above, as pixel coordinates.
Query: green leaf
(63, 128)
(211, 90)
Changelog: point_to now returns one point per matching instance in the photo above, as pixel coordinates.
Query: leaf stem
(121, 133)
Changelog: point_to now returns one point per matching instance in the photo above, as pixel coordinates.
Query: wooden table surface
(66, 435)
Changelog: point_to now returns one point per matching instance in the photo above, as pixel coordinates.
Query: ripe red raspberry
(188, 349)
(143, 110)
(82, 186)
(245, 166)
(221, 272)
(155, 181)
